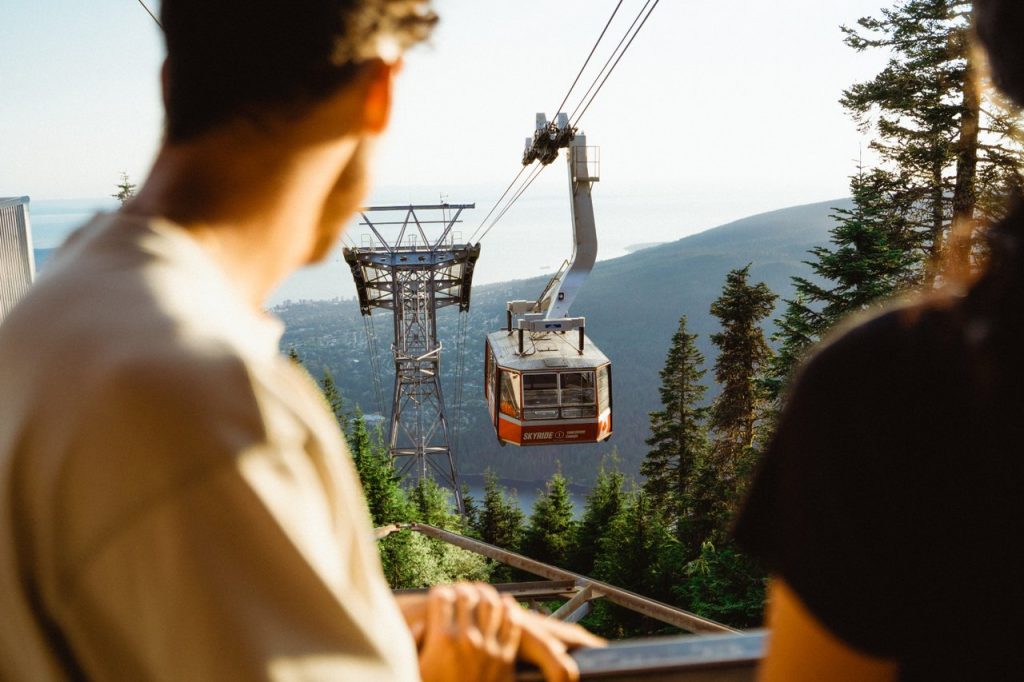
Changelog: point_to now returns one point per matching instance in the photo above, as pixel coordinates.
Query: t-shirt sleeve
(821, 508)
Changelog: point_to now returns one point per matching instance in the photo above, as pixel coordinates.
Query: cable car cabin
(551, 394)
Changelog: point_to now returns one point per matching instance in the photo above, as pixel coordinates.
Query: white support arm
(582, 176)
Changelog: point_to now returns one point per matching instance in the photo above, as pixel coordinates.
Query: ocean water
(532, 239)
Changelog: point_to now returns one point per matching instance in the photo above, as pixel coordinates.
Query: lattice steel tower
(413, 267)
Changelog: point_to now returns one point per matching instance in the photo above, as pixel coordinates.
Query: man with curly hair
(176, 502)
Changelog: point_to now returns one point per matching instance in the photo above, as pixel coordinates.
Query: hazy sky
(724, 104)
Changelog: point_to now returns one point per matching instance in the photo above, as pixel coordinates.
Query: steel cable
(514, 180)
(587, 61)
(572, 116)
(513, 200)
(621, 54)
(150, 13)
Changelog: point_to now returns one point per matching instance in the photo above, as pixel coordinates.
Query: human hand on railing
(468, 631)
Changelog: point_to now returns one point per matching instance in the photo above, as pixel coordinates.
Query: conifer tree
(736, 414)
(603, 503)
(501, 519)
(955, 147)
(418, 561)
(125, 189)
(433, 505)
(800, 326)
(867, 262)
(335, 402)
(631, 555)
(470, 514)
(724, 585)
(549, 534)
(501, 524)
(678, 436)
(742, 354)
(712, 496)
(384, 496)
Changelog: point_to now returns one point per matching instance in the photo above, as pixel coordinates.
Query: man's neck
(254, 204)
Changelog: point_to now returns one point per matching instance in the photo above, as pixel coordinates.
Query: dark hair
(996, 297)
(1000, 26)
(229, 59)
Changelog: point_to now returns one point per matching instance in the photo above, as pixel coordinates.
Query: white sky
(724, 104)
(721, 108)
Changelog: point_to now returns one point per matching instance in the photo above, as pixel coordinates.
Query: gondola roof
(550, 351)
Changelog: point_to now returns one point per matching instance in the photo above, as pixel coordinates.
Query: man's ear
(380, 77)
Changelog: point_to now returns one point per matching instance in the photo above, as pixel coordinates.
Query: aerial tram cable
(150, 13)
(581, 108)
(525, 186)
(576, 119)
(587, 60)
(522, 170)
(558, 108)
(375, 371)
(522, 190)
(460, 373)
(608, 61)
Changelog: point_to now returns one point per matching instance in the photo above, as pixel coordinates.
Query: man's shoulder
(120, 338)
(121, 307)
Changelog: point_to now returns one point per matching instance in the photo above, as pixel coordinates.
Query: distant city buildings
(17, 262)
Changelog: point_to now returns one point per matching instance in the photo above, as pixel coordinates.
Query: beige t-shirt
(176, 501)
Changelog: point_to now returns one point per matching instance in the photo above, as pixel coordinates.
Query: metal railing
(717, 653)
(686, 658)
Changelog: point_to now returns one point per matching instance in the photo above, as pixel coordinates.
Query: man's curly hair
(229, 59)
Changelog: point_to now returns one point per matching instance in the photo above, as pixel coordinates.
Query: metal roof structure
(544, 351)
(17, 259)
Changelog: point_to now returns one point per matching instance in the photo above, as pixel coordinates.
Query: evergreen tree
(384, 496)
(501, 520)
(724, 585)
(125, 189)
(678, 436)
(955, 148)
(550, 533)
(633, 551)
(501, 524)
(711, 498)
(743, 355)
(603, 503)
(413, 560)
(470, 514)
(433, 505)
(335, 403)
(801, 325)
(866, 263)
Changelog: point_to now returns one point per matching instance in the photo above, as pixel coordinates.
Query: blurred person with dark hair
(889, 508)
(176, 501)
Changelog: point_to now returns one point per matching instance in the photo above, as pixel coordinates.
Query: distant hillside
(632, 305)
